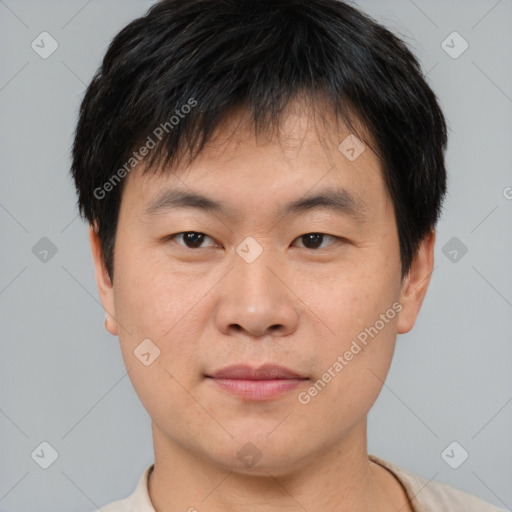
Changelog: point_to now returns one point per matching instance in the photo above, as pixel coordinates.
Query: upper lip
(265, 372)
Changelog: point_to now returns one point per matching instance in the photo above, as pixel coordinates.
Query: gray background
(63, 380)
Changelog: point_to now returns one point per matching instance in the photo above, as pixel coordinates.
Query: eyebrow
(340, 201)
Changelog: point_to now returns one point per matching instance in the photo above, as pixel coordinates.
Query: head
(262, 179)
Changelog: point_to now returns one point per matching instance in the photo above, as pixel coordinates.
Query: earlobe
(103, 282)
(415, 284)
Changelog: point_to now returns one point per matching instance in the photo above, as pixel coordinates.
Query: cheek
(165, 308)
(361, 313)
(168, 311)
(352, 299)
(349, 376)
(150, 298)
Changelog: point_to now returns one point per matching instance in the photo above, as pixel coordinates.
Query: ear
(105, 287)
(415, 284)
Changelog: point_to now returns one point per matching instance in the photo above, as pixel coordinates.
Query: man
(262, 179)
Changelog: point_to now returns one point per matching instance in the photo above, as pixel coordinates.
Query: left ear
(415, 284)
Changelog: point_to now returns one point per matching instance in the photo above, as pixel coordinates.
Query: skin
(296, 305)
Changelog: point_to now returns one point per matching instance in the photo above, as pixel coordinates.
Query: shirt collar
(141, 502)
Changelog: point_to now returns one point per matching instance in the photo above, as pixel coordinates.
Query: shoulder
(138, 501)
(432, 496)
(441, 497)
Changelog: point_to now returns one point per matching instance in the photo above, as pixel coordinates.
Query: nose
(256, 299)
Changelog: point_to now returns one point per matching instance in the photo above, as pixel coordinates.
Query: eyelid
(333, 237)
(175, 235)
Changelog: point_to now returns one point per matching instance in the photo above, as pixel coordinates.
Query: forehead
(310, 155)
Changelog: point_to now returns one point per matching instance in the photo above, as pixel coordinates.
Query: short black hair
(170, 77)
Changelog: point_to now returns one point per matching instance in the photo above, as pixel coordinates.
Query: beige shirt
(425, 496)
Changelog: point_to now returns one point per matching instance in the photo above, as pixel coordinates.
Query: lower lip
(258, 389)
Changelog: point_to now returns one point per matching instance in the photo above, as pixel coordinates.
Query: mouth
(257, 384)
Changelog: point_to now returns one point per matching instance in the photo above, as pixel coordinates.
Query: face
(291, 260)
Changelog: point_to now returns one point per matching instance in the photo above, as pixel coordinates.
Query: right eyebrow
(175, 198)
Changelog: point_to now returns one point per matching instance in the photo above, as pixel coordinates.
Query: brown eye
(314, 240)
(191, 239)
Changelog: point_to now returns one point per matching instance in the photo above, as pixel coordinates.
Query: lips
(256, 384)
(265, 372)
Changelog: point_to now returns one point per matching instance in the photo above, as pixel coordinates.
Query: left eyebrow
(338, 200)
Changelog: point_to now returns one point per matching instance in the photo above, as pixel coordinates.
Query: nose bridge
(254, 298)
(255, 282)
(252, 271)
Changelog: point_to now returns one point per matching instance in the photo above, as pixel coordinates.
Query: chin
(250, 454)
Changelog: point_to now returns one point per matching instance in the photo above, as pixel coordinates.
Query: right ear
(105, 287)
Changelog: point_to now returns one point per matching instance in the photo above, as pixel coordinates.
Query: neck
(339, 478)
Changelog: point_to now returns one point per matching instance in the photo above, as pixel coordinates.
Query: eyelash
(174, 236)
